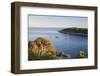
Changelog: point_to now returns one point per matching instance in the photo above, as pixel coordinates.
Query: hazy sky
(57, 21)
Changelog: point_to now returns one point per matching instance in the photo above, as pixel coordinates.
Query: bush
(81, 54)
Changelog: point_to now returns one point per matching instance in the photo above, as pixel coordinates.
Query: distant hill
(76, 31)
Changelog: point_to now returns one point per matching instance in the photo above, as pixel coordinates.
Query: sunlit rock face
(41, 48)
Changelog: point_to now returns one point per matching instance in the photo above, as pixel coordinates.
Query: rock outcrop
(63, 55)
(41, 48)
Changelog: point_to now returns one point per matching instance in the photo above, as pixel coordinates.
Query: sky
(43, 21)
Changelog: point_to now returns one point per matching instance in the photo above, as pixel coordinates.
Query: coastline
(75, 31)
(77, 34)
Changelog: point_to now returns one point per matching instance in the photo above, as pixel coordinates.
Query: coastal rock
(41, 48)
(63, 55)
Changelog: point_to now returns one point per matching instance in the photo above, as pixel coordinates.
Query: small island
(75, 31)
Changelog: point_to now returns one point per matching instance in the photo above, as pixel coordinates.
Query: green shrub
(81, 54)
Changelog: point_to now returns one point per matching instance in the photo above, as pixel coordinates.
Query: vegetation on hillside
(73, 30)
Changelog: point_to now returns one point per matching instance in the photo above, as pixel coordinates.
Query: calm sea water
(68, 43)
